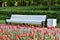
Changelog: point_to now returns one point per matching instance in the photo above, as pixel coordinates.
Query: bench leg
(43, 24)
(6, 22)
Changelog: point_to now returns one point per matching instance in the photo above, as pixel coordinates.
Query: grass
(3, 21)
(58, 25)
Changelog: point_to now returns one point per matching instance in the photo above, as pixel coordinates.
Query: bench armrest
(7, 20)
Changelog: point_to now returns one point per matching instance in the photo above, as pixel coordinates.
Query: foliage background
(30, 7)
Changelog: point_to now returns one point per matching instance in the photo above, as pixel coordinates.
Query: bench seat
(25, 21)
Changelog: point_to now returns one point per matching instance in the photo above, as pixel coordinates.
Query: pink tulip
(25, 28)
(41, 38)
(12, 26)
(39, 26)
(15, 30)
(11, 33)
(7, 30)
(0, 26)
(27, 34)
(32, 26)
(19, 36)
(29, 39)
(9, 26)
(18, 26)
(34, 30)
(58, 31)
(49, 34)
(5, 36)
(53, 33)
(5, 25)
(54, 38)
(46, 32)
(40, 30)
(32, 35)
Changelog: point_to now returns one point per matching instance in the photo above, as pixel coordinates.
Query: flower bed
(17, 32)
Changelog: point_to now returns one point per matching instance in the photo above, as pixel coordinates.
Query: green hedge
(50, 14)
(56, 8)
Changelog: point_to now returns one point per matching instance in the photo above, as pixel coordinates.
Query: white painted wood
(33, 19)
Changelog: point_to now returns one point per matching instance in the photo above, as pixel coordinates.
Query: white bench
(30, 19)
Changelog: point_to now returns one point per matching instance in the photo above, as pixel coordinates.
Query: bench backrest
(29, 17)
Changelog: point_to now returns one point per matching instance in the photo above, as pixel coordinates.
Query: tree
(26, 2)
(31, 2)
(41, 2)
(5, 3)
(19, 3)
(55, 2)
(49, 4)
(2, 3)
(58, 2)
(16, 2)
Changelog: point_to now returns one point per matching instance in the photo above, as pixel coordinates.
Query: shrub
(50, 14)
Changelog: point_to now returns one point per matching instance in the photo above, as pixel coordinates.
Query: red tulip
(0, 37)
(2, 31)
(46, 32)
(18, 26)
(0, 26)
(17, 36)
(7, 38)
(32, 35)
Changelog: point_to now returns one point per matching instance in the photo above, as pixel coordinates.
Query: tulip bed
(17, 32)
